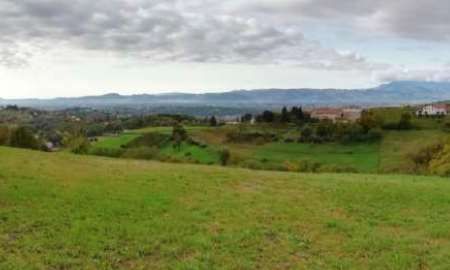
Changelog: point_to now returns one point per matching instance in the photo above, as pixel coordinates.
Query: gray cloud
(418, 19)
(171, 30)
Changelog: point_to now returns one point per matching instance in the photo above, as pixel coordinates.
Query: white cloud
(404, 74)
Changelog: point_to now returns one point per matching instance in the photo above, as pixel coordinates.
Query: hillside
(395, 93)
(61, 211)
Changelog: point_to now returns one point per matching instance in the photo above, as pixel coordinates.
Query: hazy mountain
(395, 93)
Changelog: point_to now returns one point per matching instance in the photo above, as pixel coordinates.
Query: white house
(433, 110)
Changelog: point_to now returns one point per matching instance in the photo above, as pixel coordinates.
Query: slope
(61, 211)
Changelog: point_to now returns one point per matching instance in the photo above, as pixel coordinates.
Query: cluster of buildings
(433, 110)
(353, 114)
(336, 114)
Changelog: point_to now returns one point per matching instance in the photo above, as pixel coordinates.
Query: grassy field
(61, 211)
(397, 145)
(192, 153)
(393, 115)
(168, 130)
(363, 157)
(115, 142)
(391, 155)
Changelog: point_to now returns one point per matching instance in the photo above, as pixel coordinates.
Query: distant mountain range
(395, 93)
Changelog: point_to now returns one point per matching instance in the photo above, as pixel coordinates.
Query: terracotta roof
(327, 111)
(440, 106)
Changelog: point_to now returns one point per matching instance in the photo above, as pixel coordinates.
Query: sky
(65, 48)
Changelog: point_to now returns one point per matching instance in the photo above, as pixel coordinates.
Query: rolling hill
(395, 93)
(62, 211)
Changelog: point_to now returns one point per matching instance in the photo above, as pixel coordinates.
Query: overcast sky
(52, 48)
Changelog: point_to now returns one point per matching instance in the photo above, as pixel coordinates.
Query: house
(433, 110)
(336, 114)
(332, 114)
(352, 114)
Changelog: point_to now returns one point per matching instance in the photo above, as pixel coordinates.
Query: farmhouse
(336, 114)
(433, 110)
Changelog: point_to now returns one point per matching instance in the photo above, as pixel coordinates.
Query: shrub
(306, 134)
(106, 152)
(308, 166)
(79, 145)
(22, 137)
(374, 135)
(149, 140)
(142, 152)
(291, 166)
(446, 125)
(440, 164)
(224, 156)
(405, 122)
(250, 137)
(4, 135)
(253, 164)
(337, 169)
(424, 156)
(289, 140)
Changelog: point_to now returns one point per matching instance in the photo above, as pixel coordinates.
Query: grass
(115, 142)
(363, 157)
(393, 115)
(397, 145)
(168, 130)
(191, 152)
(388, 156)
(61, 211)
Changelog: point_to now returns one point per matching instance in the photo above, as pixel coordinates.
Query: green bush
(336, 169)
(253, 164)
(423, 157)
(4, 135)
(106, 152)
(224, 156)
(251, 137)
(23, 137)
(308, 166)
(440, 164)
(79, 145)
(142, 152)
(149, 140)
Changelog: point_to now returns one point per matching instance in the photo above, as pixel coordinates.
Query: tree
(22, 137)
(267, 116)
(369, 120)
(300, 114)
(225, 157)
(213, 121)
(440, 162)
(246, 118)
(4, 135)
(114, 127)
(297, 113)
(179, 134)
(284, 115)
(95, 130)
(79, 145)
(325, 130)
(306, 134)
(294, 111)
(405, 121)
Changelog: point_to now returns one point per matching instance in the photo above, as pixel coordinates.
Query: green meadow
(390, 155)
(63, 211)
(116, 141)
(363, 157)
